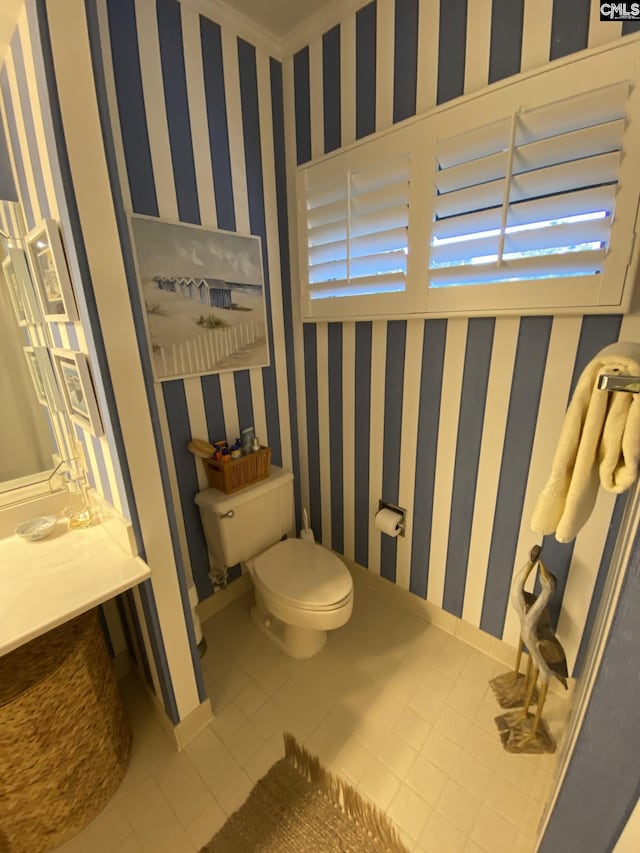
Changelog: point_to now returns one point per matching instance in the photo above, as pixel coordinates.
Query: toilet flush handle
(229, 514)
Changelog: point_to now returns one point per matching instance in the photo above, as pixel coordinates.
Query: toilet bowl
(302, 591)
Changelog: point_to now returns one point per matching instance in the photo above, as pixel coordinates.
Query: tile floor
(394, 704)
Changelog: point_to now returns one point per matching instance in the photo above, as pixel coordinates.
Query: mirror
(31, 416)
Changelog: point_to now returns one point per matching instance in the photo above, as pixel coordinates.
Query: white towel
(599, 442)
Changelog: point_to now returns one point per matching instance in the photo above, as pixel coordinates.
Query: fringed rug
(298, 807)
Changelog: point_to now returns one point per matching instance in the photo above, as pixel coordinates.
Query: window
(506, 201)
(353, 213)
(357, 232)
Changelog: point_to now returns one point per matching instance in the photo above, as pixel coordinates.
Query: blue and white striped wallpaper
(454, 419)
(37, 158)
(201, 120)
(33, 159)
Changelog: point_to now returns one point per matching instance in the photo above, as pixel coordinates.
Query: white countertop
(46, 583)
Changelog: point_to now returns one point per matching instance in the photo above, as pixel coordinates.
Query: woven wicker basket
(238, 473)
(64, 736)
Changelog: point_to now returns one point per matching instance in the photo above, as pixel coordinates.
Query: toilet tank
(241, 525)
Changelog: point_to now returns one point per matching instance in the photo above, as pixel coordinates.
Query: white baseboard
(475, 637)
(215, 603)
(186, 729)
(466, 632)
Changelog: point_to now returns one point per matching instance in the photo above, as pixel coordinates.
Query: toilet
(302, 590)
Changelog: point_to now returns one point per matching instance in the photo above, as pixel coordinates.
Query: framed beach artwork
(77, 389)
(50, 272)
(43, 377)
(203, 298)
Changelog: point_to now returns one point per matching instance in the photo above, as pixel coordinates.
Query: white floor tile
(379, 784)
(394, 705)
(265, 757)
(250, 699)
(397, 754)
(427, 779)
(474, 776)
(244, 743)
(128, 845)
(441, 751)
(440, 834)
(493, 832)
(353, 760)
(142, 801)
(409, 812)
(233, 795)
(268, 719)
(205, 826)
(412, 728)
(453, 725)
(459, 806)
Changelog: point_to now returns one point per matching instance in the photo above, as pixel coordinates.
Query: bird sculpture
(510, 688)
(546, 652)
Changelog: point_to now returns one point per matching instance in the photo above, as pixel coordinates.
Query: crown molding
(223, 13)
(226, 16)
(317, 24)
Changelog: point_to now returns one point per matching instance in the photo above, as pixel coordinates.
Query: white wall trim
(317, 24)
(83, 133)
(188, 728)
(227, 17)
(215, 603)
(280, 47)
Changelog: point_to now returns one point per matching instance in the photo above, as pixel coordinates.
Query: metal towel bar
(616, 382)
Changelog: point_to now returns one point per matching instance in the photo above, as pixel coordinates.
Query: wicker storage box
(238, 473)
(64, 736)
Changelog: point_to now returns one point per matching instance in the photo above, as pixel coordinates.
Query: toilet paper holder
(403, 521)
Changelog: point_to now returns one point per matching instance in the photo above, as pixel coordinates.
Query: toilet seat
(304, 575)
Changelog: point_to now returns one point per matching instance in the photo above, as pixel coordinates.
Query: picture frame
(21, 287)
(51, 387)
(50, 272)
(36, 375)
(15, 294)
(76, 384)
(203, 297)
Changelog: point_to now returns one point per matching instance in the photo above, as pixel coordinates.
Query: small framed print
(36, 375)
(50, 272)
(77, 389)
(20, 283)
(11, 281)
(43, 378)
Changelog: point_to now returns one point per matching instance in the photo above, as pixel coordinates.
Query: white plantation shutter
(357, 225)
(520, 199)
(531, 196)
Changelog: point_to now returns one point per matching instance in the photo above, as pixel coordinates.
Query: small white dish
(37, 528)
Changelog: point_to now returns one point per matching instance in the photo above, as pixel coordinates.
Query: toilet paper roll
(389, 521)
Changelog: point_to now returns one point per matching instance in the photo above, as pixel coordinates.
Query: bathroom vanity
(46, 583)
(65, 739)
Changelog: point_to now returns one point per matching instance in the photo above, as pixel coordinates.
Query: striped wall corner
(454, 419)
(27, 119)
(201, 122)
(37, 152)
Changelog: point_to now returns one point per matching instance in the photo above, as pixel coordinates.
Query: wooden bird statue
(510, 688)
(523, 601)
(546, 652)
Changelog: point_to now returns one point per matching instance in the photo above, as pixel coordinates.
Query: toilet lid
(303, 572)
